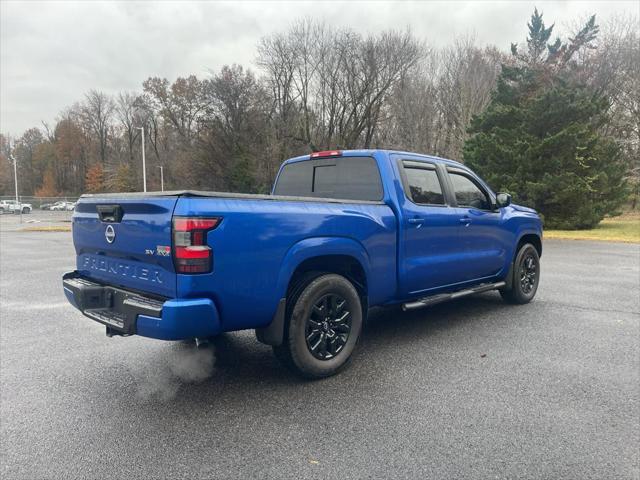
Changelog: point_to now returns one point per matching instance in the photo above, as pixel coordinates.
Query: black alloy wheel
(528, 273)
(323, 324)
(328, 327)
(525, 276)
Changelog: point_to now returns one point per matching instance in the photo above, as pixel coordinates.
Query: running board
(443, 297)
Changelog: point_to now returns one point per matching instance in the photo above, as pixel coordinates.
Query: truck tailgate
(126, 242)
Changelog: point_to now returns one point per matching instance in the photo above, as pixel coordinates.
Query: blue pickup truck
(342, 231)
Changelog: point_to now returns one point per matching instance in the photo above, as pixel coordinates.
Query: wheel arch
(532, 238)
(344, 265)
(339, 255)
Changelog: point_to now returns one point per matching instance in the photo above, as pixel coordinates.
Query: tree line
(316, 87)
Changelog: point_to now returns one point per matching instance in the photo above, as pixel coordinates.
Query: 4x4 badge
(110, 234)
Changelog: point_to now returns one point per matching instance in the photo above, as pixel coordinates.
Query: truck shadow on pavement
(386, 331)
(391, 340)
(245, 373)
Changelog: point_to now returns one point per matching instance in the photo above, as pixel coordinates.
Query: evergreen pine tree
(539, 138)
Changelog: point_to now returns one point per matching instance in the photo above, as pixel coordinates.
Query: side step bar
(443, 297)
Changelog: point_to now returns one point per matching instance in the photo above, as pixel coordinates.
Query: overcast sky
(53, 52)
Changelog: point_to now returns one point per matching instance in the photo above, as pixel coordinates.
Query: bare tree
(329, 86)
(277, 59)
(467, 77)
(617, 75)
(128, 114)
(412, 122)
(182, 103)
(97, 111)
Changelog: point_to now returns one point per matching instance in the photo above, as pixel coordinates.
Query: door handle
(466, 221)
(416, 221)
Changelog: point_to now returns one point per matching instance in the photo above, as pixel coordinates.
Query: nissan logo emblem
(110, 234)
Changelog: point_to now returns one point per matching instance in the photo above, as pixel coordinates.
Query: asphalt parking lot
(10, 222)
(471, 389)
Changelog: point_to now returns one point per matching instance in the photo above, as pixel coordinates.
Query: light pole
(15, 174)
(15, 178)
(144, 164)
(161, 177)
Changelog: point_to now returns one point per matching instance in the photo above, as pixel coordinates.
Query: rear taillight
(191, 253)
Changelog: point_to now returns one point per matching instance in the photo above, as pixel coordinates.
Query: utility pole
(161, 177)
(15, 178)
(15, 175)
(144, 164)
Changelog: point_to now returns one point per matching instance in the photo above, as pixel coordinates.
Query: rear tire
(526, 276)
(25, 210)
(323, 327)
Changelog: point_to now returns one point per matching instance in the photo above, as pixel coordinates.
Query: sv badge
(161, 251)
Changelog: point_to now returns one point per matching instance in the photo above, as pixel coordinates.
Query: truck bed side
(258, 245)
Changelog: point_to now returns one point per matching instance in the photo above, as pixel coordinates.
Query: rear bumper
(129, 313)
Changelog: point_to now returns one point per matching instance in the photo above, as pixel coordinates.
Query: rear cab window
(344, 178)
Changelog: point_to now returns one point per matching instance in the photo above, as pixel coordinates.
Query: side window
(424, 186)
(468, 194)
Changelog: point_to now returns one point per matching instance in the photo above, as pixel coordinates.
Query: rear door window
(347, 178)
(423, 184)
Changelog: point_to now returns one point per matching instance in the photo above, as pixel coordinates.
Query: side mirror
(503, 200)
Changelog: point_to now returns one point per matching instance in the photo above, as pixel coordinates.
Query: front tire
(26, 210)
(323, 327)
(526, 276)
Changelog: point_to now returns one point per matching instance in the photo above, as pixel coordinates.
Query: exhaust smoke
(181, 366)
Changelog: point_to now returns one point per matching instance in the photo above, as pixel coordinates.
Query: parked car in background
(62, 206)
(11, 206)
(54, 206)
(342, 232)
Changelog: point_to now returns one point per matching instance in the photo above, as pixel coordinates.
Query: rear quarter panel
(259, 243)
